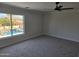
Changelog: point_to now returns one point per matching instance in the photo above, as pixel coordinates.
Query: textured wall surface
(63, 24)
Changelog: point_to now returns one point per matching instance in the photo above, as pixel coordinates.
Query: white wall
(33, 24)
(64, 24)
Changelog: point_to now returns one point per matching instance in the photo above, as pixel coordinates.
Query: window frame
(11, 26)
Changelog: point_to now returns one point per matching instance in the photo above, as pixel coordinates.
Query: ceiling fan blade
(67, 8)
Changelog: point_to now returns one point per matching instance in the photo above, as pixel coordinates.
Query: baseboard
(26, 38)
(33, 36)
(61, 37)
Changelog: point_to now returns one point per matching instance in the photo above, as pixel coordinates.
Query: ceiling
(42, 6)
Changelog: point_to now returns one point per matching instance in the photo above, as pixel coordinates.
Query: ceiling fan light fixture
(57, 2)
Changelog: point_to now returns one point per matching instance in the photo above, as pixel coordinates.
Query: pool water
(14, 31)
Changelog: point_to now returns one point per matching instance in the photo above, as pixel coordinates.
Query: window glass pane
(5, 25)
(17, 24)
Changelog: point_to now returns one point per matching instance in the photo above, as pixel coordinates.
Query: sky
(2, 15)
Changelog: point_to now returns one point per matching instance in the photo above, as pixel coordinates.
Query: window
(17, 24)
(11, 25)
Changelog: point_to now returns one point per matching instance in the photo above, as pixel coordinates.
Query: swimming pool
(14, 32)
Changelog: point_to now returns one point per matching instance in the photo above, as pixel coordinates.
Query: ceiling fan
(60, 7)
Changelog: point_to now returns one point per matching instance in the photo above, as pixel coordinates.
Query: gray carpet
(42, 46)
